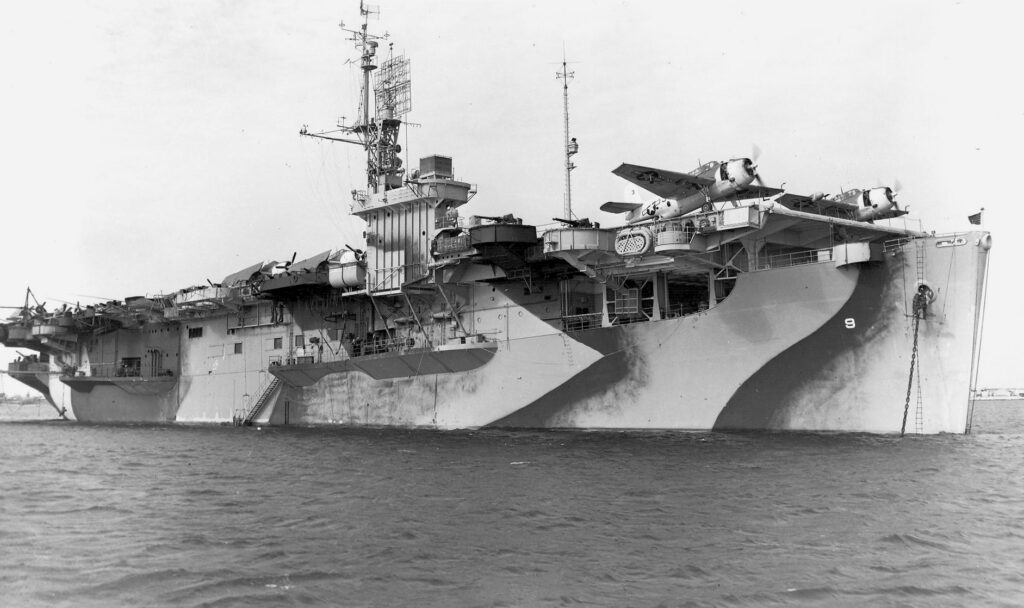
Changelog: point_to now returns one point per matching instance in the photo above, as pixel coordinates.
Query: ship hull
(808, 348)
(816, 347)
(44, 377)
(752, 309)
(824, 346)
(123, 400)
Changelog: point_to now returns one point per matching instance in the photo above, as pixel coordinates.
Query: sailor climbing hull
(59, 395)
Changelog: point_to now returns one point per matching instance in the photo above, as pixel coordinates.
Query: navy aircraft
(681, 193)
(864, 205)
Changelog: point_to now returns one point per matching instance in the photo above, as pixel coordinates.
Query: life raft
(633, 241)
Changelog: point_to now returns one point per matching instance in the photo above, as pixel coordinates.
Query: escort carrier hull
(815, 340)
(756, 310)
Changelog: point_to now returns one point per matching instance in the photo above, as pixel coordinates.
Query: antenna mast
(571, 147)
(376, 131)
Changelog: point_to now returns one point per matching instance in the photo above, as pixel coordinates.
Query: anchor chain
(921, 299)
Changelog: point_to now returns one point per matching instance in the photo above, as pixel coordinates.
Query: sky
(150, 146)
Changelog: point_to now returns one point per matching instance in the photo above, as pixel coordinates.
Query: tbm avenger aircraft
(863, 205)
(682, 193)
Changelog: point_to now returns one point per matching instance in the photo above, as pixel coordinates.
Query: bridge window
(195, 332)
(627, 301)
(631, 303)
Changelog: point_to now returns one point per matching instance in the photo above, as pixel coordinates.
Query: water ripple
(217, 516)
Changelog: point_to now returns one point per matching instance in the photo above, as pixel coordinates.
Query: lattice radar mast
(392, 97)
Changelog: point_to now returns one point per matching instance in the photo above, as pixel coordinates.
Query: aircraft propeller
(892, 191)
(286, 265)
(896, 187)
(751, 164)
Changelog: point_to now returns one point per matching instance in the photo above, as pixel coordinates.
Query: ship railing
(684, 310)
(28, 367)
(201, 296)
(360, 200)
(796, 258)
(896, 245)
(628, 318)
(444, 245)
(893, 246)
(113, 370)
(387, 345)
(354, 349)
(384, 279)
(574, 323)
(394, 277)
(247, 294)
(448, 221)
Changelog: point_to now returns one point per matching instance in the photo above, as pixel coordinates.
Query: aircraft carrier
(722, 304)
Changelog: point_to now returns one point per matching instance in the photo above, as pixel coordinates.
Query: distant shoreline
(26, 410)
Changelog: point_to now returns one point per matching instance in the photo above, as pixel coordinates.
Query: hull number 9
(850, 323)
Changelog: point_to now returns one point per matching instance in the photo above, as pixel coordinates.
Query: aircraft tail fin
(633, 194)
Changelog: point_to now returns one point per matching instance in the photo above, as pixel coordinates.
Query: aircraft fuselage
(729, 178)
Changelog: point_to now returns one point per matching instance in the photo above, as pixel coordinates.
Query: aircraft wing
(818, 204)
(797, 201)
(666, 184)
(617, 207)
(827, 206)
(761, 191)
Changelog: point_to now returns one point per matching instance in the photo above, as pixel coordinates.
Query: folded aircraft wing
(666, 184)
(817, 204)
(617, 207)
(761, 191)
(797, 201)
(828, 206)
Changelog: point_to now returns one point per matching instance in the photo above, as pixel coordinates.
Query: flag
(975, 218)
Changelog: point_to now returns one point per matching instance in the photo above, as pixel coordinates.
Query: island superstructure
(724, 304)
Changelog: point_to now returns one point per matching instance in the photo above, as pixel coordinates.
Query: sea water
(285, 516)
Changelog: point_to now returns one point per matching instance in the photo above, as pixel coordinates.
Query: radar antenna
(377, 134)
(393, 88)
(571, 147)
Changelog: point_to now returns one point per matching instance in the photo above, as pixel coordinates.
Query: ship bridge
(401, 223)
